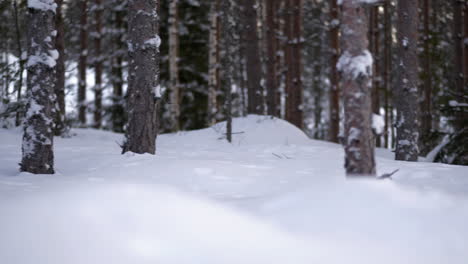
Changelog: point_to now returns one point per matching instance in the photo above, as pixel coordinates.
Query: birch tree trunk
(82, 62)
(174, 64)
(98, 65)
(143, 86)
(294, 93)
(37, 146)
(355, 65)
(214, 63)
(334, 77)
(407, 85)
(59, 88)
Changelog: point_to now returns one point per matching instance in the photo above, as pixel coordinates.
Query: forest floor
(273, 196)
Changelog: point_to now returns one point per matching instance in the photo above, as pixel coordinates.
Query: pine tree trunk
(82, 62)
(334, 104)
(19, 84)
(118, 115)
(174, 64)
(98, 65)
(214, 63)
(458, 73)
(273, 95)
(376, 80)
(252, 56)
(37, 147)
(407, 85)
(293, 32)
(359, 143)
(143, 86)
(386, 71)
(59, 88)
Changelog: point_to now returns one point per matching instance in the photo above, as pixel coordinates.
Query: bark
(426, 95)
(59, 88)
(293, 59)
(98, 65)
(252, 56)
(386, 71)
(19, 84)
(82, 62)
(214, 63)
(465, 19)
(334, 77)
(118, 119)
(359, 143)
(376, 78)
(230, 42)
(143, 86)
(273, 95)
(174, 64)
(37, 146)
(458, 74)
(407, 84)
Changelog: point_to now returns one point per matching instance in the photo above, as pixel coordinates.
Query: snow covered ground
(273, 196)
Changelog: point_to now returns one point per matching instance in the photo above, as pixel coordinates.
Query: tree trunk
(407, 85)
(386, 71)
(458, 74)
(98, 65)
(293, 32)
(356, 66)
(59, 87)
(252, 56)
(143, 86)
(214, 63)
(426, 93)
(82, 62)
(19, 84)
(273, 95)
(37, 147)
(174, 64)
(334, 104)
(376, 80)
(118, 115)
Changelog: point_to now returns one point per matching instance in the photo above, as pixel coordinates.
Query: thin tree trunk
(458, 73)
(293, 26)
(37, 147)
(273, 100)
(98, 65)
(214, 63)
(19, 84)
(386, 72)
(334, 104)
(143, 80)
(118, 119)
(82, 62)
(59, 88)
(252, 57)
(359, 143)
(174, 64)
(376, 80)
(407, 85)
(466, 44)
(426, 92)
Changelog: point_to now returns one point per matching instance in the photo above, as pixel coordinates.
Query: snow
(356, 65)
(154, 42)
(44, 5)
(273, 196)
(378, 123)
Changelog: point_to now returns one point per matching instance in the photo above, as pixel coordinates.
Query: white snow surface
(273, 196)
(44, 5)
(356, 65)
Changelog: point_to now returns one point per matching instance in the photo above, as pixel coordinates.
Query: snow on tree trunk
(143, 87)
(37, 146)
(356, 66)
(174, 64)
(82, 62)
(406, 90)
(252, 56)
(214, 58)
(59, 88)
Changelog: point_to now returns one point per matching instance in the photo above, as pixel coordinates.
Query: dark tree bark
(252, 56)
(376, 78)
(174, 64)
(19, 84)
(273, 95)
(59, 127)
(426, 93)
(458, 74)
(465, 19)
(118, 115)
(230, 42)
(293, 59)
(143, 86)
(334, 104)
(82, 62)
(37, 147)
(355, 65)
(98, 65)
(407, 84)
(214, 84)
(386, 71)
